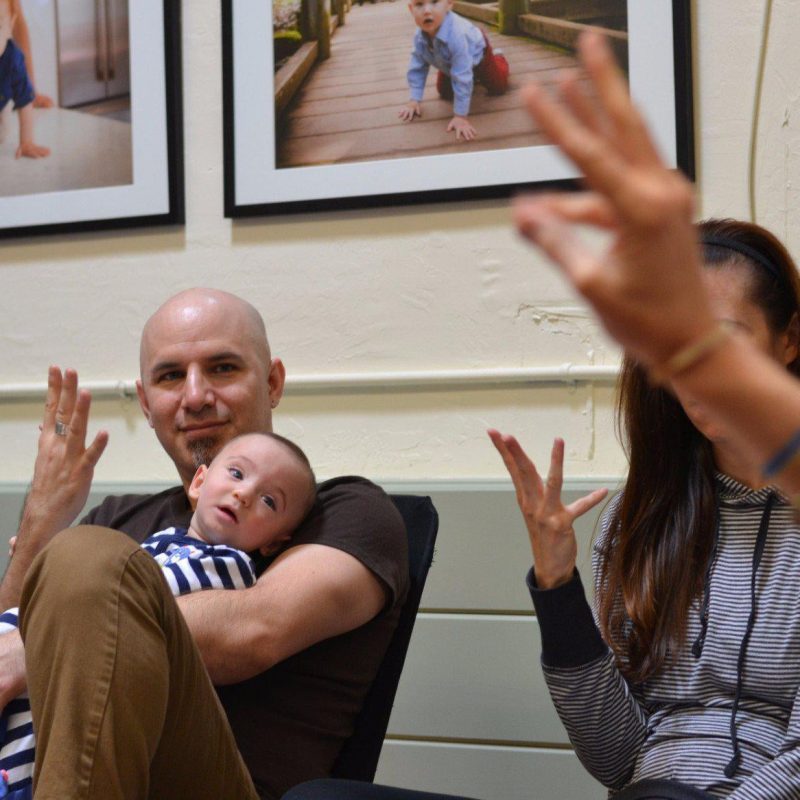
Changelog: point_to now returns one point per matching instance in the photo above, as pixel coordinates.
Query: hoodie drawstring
(758, 551)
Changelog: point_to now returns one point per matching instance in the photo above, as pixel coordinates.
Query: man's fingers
(96, 448)
(78, 424)
(68, 397)
(53, 393)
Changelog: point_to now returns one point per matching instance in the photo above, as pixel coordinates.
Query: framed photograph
(93, 137)
(353, 103)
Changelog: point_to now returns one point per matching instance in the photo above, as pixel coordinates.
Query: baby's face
(6, 24)
(251, 497)
(429, 14)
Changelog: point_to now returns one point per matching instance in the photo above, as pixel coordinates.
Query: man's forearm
(310, 593)
(231, 649)
(33, 534)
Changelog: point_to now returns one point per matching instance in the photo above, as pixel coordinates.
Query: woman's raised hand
(647, 286)
(549, 521)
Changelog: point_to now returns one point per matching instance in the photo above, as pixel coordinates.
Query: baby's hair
(297, 452)
(310, 494)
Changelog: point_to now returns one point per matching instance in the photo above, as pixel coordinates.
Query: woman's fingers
(523, 466)
(573, 91)
(605, 158)
(613, 94)
(603, 167)
(559, 241)
(529, 484)
(584, 504)
(585, 208)
(555, 475)
(498, 440)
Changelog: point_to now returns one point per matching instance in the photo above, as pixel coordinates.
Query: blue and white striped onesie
(189, 565)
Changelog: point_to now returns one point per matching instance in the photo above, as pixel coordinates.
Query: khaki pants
(122, 704)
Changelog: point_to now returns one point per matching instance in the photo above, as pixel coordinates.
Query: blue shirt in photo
(456, 50)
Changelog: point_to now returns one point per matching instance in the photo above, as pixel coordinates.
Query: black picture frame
(155, 194)
(660, 70)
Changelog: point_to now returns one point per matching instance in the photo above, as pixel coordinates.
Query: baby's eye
(270, 501)
(235, 472)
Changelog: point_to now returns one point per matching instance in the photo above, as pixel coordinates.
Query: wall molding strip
(367, 381)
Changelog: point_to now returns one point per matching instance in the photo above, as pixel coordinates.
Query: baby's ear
(196, 484)
(272, 547)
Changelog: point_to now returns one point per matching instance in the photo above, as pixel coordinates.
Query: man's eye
(235, 472)
(169, 377)
(269, 501)
(223, 368)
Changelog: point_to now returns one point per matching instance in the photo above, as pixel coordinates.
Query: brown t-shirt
(290, 721)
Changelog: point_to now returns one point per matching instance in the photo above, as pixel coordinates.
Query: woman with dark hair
(685, 686)
(692, 671)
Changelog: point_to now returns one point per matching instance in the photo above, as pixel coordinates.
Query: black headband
(727, 243)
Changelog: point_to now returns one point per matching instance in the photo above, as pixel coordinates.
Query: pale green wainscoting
(472, 714)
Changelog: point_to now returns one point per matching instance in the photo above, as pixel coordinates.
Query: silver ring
(61, 428)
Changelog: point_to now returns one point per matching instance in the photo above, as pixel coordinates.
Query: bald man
(132, 713)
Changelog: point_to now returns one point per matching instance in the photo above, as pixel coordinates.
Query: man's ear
(143, 404)
(276, 380)
(194, 487)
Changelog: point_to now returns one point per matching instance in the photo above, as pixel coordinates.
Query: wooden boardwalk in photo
(347, 109)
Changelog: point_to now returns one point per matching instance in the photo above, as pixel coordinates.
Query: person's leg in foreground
(122, 704)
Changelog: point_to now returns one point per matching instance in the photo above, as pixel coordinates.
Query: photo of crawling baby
(463, 56)
(419, 78)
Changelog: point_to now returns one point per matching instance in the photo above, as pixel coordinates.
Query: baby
(15, 84)
(247, 503)
(462, 54)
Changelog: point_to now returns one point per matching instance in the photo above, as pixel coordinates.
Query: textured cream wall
(432, 287)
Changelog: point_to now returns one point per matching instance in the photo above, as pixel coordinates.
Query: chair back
(358, 759)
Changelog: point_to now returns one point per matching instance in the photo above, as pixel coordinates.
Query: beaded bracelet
(783, 457)
(690, 355)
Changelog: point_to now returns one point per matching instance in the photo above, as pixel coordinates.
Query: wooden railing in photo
(557, 22)
(317, 25)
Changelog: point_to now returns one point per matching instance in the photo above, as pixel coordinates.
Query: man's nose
(197, 391)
